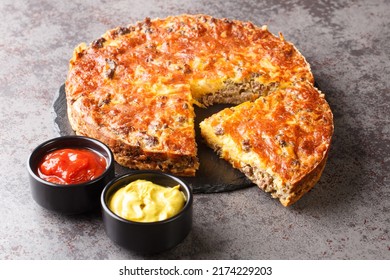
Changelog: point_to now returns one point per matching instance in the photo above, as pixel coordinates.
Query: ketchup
(71, 166)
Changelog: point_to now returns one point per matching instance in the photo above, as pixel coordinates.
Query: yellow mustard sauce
(144, 201)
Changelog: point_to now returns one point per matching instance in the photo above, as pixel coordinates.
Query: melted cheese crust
(136, 85)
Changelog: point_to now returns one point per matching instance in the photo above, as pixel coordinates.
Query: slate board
(214, 174)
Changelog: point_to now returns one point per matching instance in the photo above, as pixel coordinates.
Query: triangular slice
(280, 141)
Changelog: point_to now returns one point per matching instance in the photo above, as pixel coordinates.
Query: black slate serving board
(214, 174)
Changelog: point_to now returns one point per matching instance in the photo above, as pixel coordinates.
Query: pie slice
(280, 141)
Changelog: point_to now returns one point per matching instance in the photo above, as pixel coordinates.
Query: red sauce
(71, 166)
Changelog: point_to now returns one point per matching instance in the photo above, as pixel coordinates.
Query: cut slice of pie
(280, 141)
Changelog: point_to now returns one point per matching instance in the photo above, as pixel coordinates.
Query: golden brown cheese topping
(186, 49)
(134, 88)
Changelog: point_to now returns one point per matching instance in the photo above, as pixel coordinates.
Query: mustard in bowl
(147, 211)
(145, 201)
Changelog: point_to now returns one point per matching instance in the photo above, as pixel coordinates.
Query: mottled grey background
(346, 216)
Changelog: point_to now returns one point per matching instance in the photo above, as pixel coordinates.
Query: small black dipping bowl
(151, 237)
(72, 198)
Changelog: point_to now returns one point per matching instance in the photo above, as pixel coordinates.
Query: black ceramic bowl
(151, 237)
(71, 198)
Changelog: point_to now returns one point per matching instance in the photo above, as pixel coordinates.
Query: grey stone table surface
(346, 215)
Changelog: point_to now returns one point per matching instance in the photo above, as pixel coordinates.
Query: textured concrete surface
(346, 216)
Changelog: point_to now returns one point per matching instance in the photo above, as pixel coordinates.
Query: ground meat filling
(260, 178)
(236, 93)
